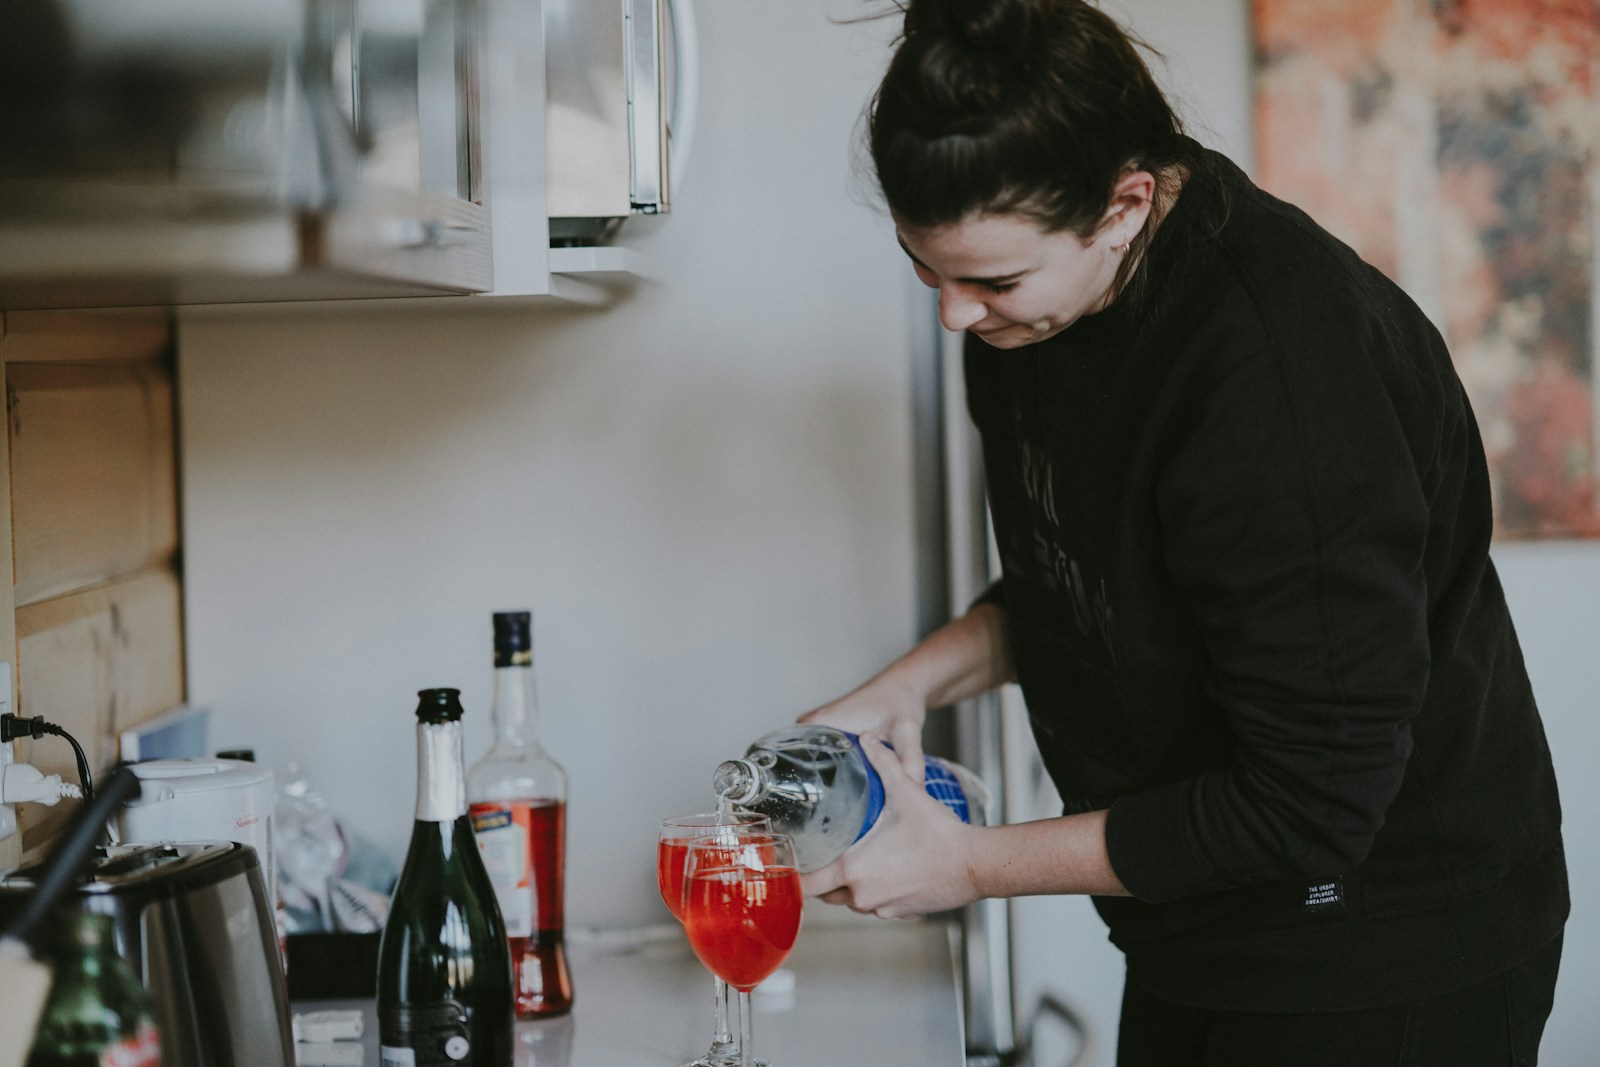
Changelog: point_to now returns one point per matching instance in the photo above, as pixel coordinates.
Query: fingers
(845, 897)
(823, 881)
(839, 896)
(827, 885)
(838, 712)
(842, 895)
(887, 763)
(906, 737)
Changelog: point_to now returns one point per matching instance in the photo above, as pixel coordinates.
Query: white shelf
(595, 276)
(603, 262)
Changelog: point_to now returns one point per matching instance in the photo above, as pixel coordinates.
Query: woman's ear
(1132, 197)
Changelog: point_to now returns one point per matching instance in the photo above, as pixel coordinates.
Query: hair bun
(997, 27)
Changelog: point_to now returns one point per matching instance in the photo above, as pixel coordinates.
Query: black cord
(84, 777)
(15, 726)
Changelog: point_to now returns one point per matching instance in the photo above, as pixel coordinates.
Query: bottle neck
(738, 781)
(441, 777)
(83, 940)
(515, 705)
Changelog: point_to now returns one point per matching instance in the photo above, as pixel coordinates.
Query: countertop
(867, 991)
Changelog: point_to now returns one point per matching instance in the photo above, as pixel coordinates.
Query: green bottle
(98, 1014)
(444, 966)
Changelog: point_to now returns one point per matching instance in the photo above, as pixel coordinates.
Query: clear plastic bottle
(518, 798)
(817, 786)
(311, 852)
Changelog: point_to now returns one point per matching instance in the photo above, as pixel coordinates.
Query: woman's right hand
(960, 659)
(893, 711)
(963, 658)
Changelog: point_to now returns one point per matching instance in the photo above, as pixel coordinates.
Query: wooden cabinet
(93, 616)
(92, 459)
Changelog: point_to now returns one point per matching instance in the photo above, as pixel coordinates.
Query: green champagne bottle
(98, 1013)
(444, 966)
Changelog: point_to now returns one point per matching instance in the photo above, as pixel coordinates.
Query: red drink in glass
(741, 911)
(673, 842)
(670, 856)
(743, 923)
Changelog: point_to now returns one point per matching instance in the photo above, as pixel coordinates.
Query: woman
(1243, 516)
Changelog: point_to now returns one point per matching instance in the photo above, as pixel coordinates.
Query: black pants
(1494, 1023)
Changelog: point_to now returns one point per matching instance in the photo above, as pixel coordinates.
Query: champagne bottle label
(425, 1035)
(503, 832)
(441, 785)
(142, 1049)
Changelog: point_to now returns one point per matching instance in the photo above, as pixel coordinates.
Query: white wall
(1552, 590)
(703, 493)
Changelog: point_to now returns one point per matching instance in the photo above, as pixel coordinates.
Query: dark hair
(1033, 107)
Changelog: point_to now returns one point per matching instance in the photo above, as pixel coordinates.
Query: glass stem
(722, 1038)
(746, 1055)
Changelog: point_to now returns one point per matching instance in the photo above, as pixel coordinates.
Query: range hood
(185, 151)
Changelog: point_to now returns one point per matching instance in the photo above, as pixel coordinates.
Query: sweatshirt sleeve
(994, 594)
(1294, 520)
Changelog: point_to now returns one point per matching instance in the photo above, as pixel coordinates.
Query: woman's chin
(1014, 336)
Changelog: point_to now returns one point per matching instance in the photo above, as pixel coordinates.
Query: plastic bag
(330, 881)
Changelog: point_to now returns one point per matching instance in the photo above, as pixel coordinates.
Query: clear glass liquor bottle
(816, 785)
(518, 798)
(98, 1011)
(444, 971)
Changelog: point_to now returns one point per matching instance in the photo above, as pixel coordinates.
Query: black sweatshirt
(1244, 526)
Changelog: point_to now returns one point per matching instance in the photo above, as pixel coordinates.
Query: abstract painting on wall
(1456, 145)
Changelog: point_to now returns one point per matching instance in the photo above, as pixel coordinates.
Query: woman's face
(1010, 282)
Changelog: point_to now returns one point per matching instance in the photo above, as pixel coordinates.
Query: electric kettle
(204, 800)
(194, 922)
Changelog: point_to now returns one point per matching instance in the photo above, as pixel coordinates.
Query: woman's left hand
(913, 861)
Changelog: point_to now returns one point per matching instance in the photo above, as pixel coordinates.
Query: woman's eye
(1000, 287)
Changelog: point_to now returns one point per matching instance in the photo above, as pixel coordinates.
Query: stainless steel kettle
(193, 921)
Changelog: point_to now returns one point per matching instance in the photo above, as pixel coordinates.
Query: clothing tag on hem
(1321, 896)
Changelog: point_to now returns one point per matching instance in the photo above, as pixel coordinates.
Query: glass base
(723, 1054)
(720, 1055)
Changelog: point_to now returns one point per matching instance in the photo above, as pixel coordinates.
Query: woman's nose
(959, 309)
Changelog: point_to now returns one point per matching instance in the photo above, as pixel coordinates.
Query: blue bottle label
(937, 778)
(874, 788)
(941, 784)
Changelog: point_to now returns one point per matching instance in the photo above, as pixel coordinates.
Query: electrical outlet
(10, 839)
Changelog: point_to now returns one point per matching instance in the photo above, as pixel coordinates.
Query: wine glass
(741, 909)
(672, 847)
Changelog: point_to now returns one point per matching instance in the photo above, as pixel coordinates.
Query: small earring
(1122, 249)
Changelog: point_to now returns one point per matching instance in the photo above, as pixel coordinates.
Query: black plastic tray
(329, 966)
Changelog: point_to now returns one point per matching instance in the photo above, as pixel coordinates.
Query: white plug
(10, 842)
(23, 783)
